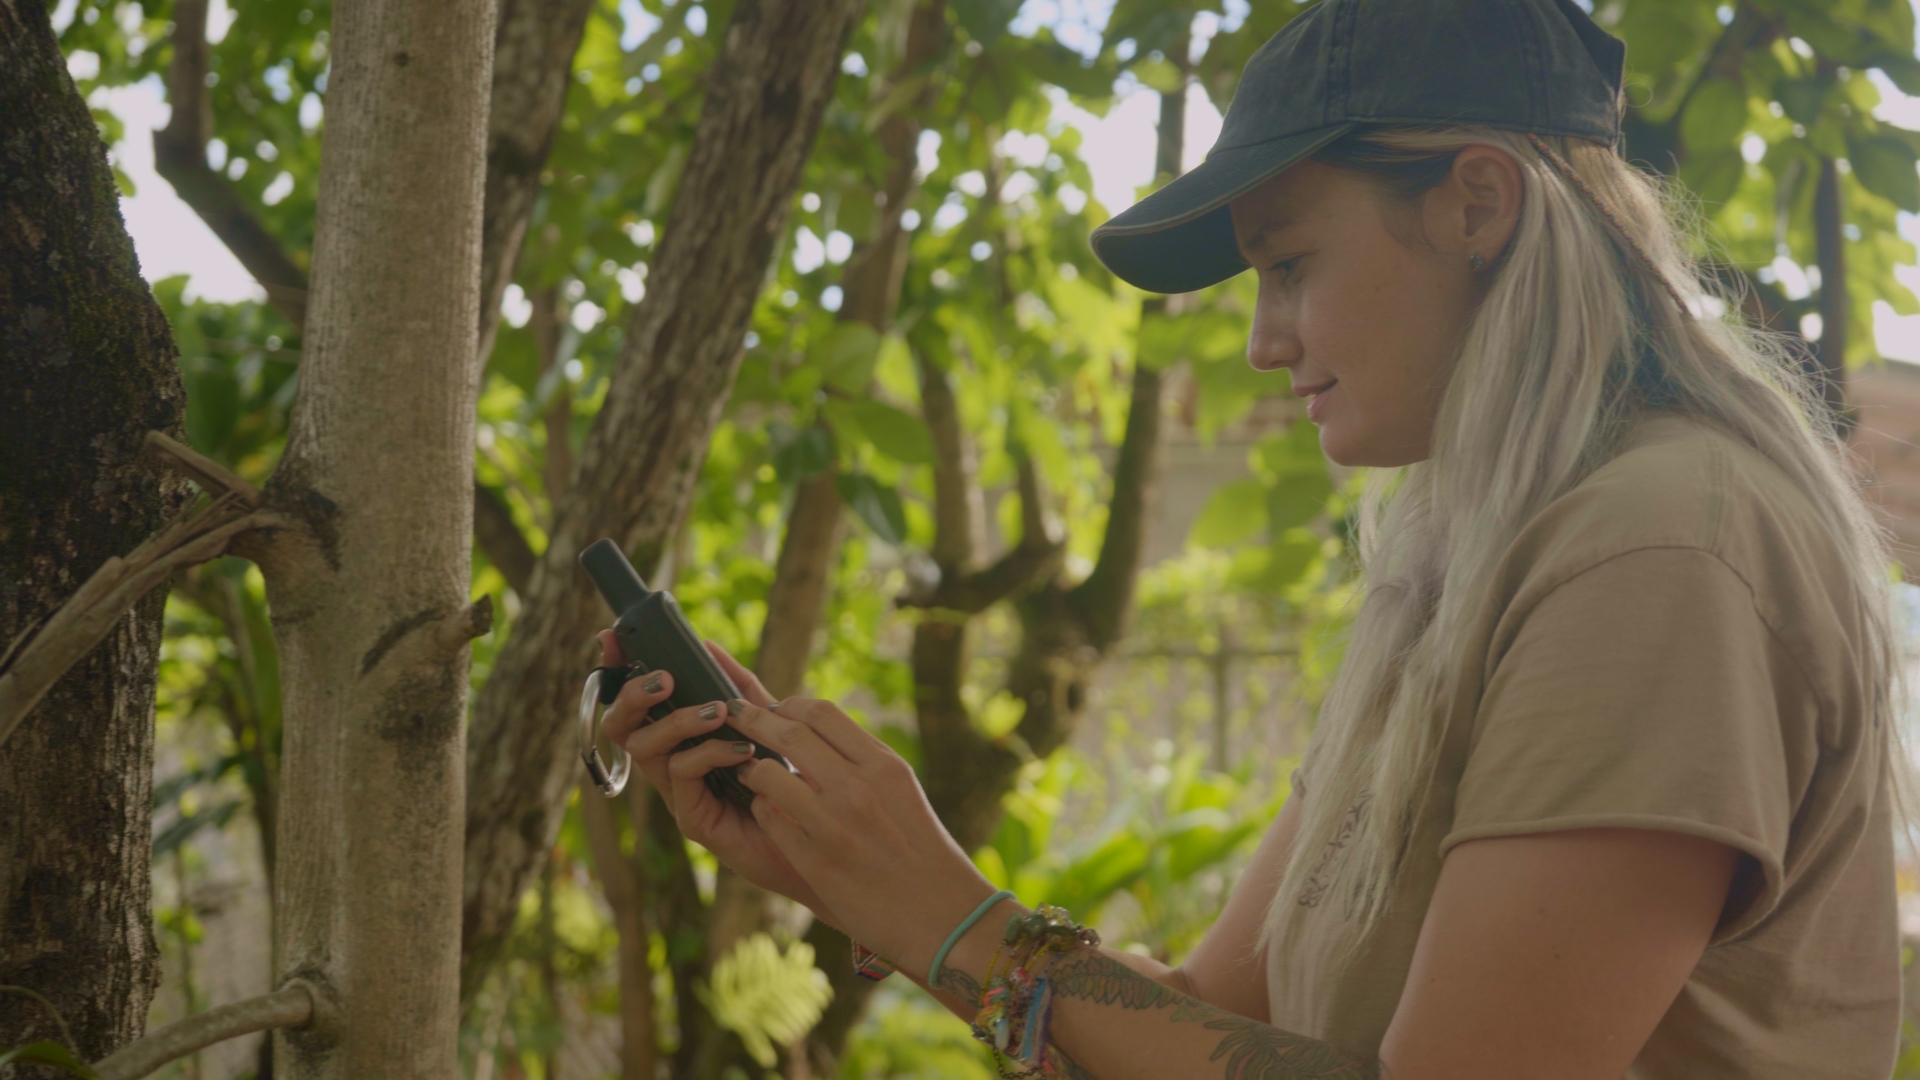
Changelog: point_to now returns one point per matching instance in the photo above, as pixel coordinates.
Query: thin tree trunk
(369, 600)
(1066, 630)
(87, 367)
(803, 573)
(625, 886)
(534, 45)
(765, 97)
(1836, 302)
(180, 155)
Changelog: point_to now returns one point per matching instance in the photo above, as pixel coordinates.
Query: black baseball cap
(1541, 66)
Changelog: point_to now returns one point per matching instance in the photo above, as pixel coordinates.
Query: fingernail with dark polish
(651, 684)
(735, 707)
(743, 748)
(708, 712)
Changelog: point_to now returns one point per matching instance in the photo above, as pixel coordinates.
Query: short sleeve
(1645, 692)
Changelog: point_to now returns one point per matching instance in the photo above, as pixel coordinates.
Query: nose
(1274, 342)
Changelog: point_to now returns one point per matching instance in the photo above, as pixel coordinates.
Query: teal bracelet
(966, 924)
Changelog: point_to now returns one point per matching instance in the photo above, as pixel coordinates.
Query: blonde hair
(1577, 338)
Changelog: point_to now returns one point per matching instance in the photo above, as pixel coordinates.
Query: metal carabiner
(610, 769)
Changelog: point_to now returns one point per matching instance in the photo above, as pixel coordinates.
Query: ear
(1478, 205)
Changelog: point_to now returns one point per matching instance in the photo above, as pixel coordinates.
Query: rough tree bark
(86, 369)
(370, 594)
(765, 96)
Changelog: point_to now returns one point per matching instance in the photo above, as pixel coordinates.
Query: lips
(1312, 391)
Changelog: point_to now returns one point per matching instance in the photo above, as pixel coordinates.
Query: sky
(1118, 149)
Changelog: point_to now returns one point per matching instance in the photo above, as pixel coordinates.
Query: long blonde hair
(1576, 339)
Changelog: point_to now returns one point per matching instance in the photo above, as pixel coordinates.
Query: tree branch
(1103, 599)
(500, 538)
(37, 659)
(180, 155)
(292, 1006)
(956, 499)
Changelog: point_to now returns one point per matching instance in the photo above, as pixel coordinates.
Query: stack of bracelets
(1016, 1000)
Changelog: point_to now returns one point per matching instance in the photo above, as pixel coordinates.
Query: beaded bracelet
(1016, 1003)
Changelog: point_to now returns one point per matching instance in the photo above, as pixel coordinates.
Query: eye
(1285, 267)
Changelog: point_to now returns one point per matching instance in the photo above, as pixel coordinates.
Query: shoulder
(1683, 487)
(1677, 482)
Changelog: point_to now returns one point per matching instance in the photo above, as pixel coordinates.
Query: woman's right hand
(735, 838)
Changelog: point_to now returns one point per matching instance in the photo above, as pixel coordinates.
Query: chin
(1354, 450)
(1341, 448)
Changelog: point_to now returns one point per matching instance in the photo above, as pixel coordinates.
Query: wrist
(965, 965)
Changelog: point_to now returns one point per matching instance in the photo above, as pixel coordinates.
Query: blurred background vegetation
(1002, 380)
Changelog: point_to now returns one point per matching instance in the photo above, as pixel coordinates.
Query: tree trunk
(1829, 354)
(625, 884)
(765, 97)
(180, 155)
(87, 367)
(534, 46)
(802, 576)
(370, 597)
(1065, 630)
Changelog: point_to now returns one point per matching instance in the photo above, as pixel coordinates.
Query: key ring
(611, 769)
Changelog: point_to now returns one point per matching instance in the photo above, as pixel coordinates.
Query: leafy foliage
(1741, 103)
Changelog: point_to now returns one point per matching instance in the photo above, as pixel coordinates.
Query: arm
(1541, 955)
(1548, 955)
(1226, 970)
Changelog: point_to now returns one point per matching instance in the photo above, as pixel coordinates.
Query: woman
(1603, 786)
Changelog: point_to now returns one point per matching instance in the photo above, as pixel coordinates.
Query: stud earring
(1476, 262)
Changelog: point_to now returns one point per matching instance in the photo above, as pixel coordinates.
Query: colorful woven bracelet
(870, 965)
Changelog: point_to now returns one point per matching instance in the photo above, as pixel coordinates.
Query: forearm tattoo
(1251, 1050)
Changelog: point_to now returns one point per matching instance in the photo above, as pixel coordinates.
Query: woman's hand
(680, 777)
(857, 827)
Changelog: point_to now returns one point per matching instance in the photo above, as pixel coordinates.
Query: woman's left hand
(856, 825)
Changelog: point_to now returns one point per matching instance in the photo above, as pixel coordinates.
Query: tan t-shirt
(1668, 647)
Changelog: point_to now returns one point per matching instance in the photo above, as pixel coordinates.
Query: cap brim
(1180, 238)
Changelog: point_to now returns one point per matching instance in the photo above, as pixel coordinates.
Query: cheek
(1383, 322)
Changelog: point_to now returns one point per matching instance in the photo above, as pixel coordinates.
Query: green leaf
(185, 826)
(1803, 98)
(1715, 117)
(766, 996)
(1089, 881)
(1232, 516)
(845, 356)
(897, 434)
(1298, 498)
(1158, 75)
(1714, 177)
(803, 454)
(877, 505)
(1885, 166)
(48, 1052)
(986, 20)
